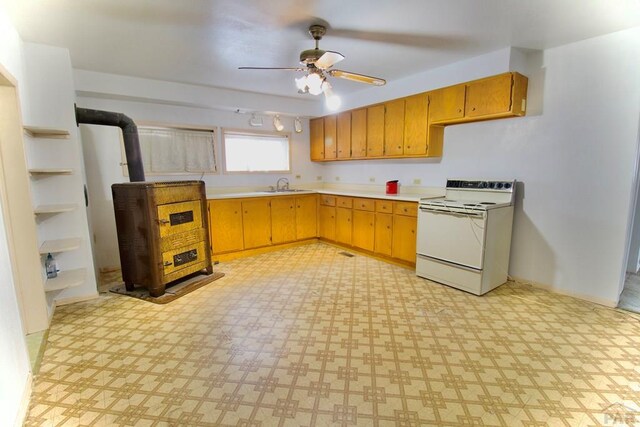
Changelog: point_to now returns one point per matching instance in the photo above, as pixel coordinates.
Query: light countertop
(427, 194)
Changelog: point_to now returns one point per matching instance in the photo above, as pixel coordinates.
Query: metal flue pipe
(129, 134)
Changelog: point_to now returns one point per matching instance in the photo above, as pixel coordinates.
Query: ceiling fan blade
(273, 68)
(328, 59)
(361, 78)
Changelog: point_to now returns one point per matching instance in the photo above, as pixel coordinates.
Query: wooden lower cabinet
(256, 222)
(383, 234)
(225, 226)
(363, 230)
(306, 217)
(344, 225)
(403, 245)
(327, 223)
(283, 220)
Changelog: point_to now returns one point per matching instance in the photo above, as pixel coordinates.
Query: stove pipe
(129, 134)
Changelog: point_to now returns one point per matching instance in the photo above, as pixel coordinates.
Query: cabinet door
(330, 137)
(225, 226)
(256, 221)
(343, 135)
(383, 234)
(415, 124)
(306, 217)
(375, 131)
(447, 103)
(359, 133)
(404, 238)
(283, 220)
(394, 128)
(489, 96)
(327, 222)
(344, 225)
(316, 135)
(363, 229)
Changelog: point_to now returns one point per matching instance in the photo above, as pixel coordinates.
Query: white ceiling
(204, 42)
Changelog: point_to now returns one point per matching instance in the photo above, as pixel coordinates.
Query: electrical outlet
(298, 176)
(417, 181)
(318, 178)
(372, 179)
(337, 178)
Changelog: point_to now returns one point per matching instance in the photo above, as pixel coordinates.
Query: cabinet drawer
(182, 258)
(364, 204)
(327, 200)
(405, 208)
(179, 217)
(344, 202)
(384, 206)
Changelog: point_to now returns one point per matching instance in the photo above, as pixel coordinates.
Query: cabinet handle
(473, 109)
(164, 221)
(459, 110)
(399, 146)
(167, 263)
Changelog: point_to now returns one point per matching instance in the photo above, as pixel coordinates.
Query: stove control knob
(500, 185)
(484, 184)
(507, 185)
(492, 185)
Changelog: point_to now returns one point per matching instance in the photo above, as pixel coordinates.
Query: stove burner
(487, 203)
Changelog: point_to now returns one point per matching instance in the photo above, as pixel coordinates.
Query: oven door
(455, 237)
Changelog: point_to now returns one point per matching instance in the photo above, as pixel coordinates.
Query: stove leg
(129, 286)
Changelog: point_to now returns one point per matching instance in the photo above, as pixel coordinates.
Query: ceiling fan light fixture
(301, 84)
(314, 83)
(277, 123)
(332, 101)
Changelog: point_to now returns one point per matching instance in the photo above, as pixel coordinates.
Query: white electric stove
(464, 239)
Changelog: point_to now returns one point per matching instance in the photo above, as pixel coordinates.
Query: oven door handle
(449, 212)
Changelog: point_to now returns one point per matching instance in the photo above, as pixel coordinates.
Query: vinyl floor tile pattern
(309, 337)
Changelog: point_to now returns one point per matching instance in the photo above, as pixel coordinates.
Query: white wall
(102, 156)
(14, 360)
(574, 155)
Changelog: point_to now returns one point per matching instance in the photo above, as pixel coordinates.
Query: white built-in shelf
(40, 132)
(59, 245)
(50, 171)
(66, 279)
(52, 209)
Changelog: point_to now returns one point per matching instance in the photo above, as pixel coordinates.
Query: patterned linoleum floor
(306, 336)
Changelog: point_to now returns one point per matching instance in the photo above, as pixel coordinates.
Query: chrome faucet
(285, 186)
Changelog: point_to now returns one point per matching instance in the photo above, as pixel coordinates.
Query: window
(256, 152)
(167, 150)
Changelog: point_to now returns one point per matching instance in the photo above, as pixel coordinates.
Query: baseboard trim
(24, 402)
(72, 300)
(578, 295)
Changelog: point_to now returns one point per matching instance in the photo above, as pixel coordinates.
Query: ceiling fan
(318, 64)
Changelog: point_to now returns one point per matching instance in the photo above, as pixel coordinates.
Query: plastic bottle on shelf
(51, 267)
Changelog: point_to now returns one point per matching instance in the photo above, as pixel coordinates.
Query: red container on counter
(392, 187)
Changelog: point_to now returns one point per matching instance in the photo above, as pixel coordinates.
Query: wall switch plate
(337, 178)
(417, 181)
(372, 179)
(298, 176)
(318, 178)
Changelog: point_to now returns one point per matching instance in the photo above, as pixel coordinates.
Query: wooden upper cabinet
(415, 124)
(330, 136)
(343, 135)
(489, 96)
(283, 220)
(359, 133)
(375, 131)
(394, 128)
(316, 135)
(447, 103)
